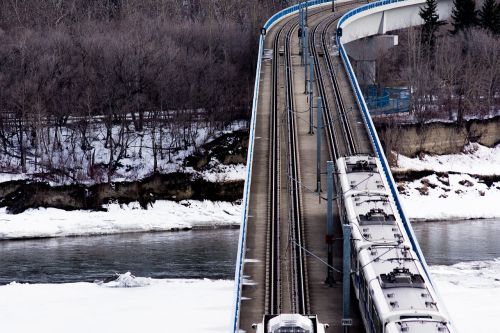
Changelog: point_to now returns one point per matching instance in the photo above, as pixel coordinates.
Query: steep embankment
(445, 171)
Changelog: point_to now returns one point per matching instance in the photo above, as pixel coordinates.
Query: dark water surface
(202, 253)
(188, 254)
(447, 243)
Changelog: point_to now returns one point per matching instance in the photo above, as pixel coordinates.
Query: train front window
(292, 330)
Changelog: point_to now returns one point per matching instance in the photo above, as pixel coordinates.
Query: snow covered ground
(471, 291)
(222, 172)
(88, 166)
(162, 216)
(458, 195)
(475, 159)
(127, 305)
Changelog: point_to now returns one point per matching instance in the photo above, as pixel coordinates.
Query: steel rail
(273, 248)
(331, 133)
(300, 301)
(348, 135)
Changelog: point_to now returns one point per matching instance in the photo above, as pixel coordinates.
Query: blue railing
(291, 10)
(371, 128)
(243, 228)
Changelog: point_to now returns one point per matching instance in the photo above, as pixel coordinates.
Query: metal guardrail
(243, 228)
(371, 127)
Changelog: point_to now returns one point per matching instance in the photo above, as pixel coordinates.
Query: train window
(354, 257)
(362, 284)
(414, 317)
(291, 330)
(376, 320)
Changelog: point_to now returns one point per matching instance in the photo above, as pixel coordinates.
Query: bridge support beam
(365, 53)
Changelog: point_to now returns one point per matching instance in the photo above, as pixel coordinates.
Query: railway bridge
(308, 109)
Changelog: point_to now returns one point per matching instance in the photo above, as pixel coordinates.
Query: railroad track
(340, 136)
(286, 267)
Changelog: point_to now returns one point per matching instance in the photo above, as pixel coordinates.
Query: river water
(448, 243)
(187, 254)
(202, 253)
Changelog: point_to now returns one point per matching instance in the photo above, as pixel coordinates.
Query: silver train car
(394, 292)
(290, 322)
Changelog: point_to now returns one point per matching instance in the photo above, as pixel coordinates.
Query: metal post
(346, 320)
(329, 223)
(307, 6)
(333, 5)
(301, 37)
(311, 102)
(306, 57)
(318, 146)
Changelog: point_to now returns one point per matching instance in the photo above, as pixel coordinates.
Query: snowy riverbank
(128, 305)
(161, 216)
(470, 291)
(461, 186)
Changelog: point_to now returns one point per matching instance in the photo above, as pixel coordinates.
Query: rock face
(18, 196)
(438, 137)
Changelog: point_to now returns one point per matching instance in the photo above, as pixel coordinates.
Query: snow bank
(162, 216)
(471, 291)
(222, 172)
(127, 280)
(456, 197)
(459, 195)
(7, 177)
(161, 306)
(476, 159)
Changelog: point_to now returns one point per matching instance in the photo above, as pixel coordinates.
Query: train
(290, 322)
(393, 289)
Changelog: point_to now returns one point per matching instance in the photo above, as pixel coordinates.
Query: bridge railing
(243, 228)
(371, 127)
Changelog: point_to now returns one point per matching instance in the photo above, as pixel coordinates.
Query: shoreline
(162, 216)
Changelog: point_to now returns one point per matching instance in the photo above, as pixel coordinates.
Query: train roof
(396, 273)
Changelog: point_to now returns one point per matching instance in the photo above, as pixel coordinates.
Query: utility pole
(305, 53)
(307, 6)
(311, 102)
(318, 146)
(329, 223)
